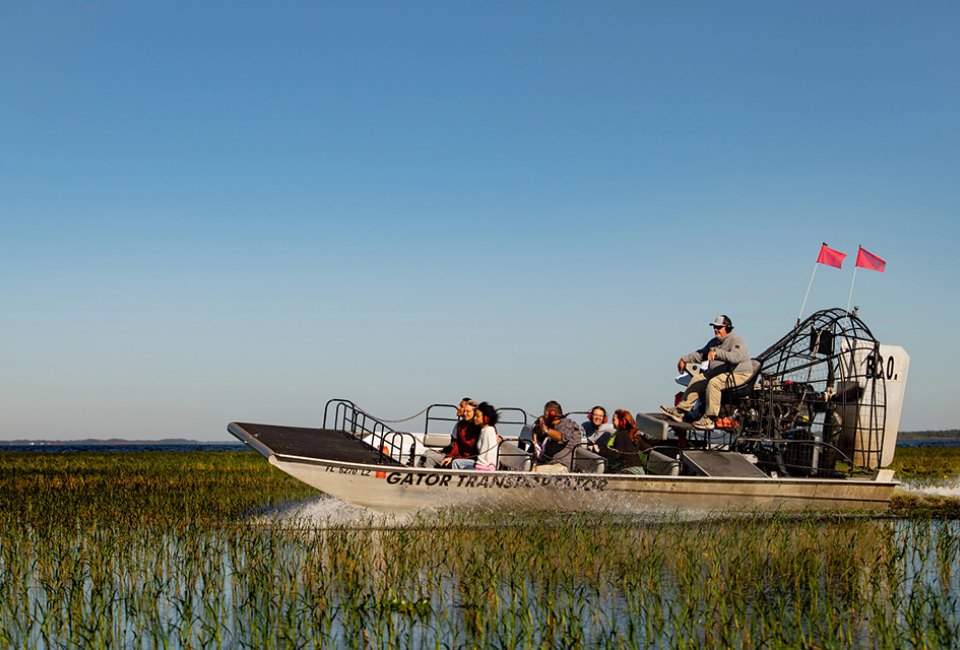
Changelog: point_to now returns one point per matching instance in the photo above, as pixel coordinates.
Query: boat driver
(556, 436)
(729, 365)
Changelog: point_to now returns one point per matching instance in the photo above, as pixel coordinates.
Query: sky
(233, 211)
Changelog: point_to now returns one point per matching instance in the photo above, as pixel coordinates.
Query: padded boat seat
(436, 439)
(658, 463)
(733, 394)
(513, 458)
(429, 458)
(587, 462)
(654, 426)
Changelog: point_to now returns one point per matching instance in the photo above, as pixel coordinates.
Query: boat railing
(586, 460)
(804, 457)
(660, 461)
(717, 439)
(512, 420)
(513, 458)
(397, 445)
(345, 415)
(437, 413)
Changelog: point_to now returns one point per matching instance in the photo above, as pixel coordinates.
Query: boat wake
(327, 512)
(948, 488)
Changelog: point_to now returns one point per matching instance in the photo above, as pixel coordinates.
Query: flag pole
(807, 294)
(854, 279)
(850, 297)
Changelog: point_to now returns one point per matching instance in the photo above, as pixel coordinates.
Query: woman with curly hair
(627, 451)
(485, 418)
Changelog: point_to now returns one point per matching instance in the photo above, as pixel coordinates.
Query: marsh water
(220, 550)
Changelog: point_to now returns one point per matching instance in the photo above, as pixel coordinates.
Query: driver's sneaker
(673, 413)
(703, 423)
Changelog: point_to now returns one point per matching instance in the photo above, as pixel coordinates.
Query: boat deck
(309, 443)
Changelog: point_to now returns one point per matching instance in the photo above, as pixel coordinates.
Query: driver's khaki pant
(709, 391)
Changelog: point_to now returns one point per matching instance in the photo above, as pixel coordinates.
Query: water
(928, 443)
(430, 580)
(121, 446)
(933, 487)
(324, 511)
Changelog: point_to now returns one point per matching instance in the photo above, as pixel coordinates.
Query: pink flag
(830, 257)
(868, 260)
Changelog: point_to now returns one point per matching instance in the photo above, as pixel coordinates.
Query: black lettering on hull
(486, 481)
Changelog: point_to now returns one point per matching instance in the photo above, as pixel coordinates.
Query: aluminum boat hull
(396, 488)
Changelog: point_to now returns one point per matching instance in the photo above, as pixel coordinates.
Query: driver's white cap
(722, 321)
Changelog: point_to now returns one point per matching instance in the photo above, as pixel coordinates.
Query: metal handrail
(509, 415)
(436, 418)
(778, 442)
(678, 462)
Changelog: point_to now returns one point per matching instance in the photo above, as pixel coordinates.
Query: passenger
(556, 436)
(463, 440)
(597, 429)
(729, 362)
(485, 418)
(627, 454)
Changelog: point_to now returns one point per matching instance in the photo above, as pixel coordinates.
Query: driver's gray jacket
(732, 353)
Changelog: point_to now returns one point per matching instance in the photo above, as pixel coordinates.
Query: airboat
(811, 430)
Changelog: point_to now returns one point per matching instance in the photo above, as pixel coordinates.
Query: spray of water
(324, 512)
(327, 512)
(943, 488)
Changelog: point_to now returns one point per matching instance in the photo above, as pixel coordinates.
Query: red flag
(868, 260)
(830, 257)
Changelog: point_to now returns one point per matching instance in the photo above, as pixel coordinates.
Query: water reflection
(318, 573)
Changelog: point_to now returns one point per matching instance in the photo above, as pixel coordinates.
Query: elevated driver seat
(734, 394)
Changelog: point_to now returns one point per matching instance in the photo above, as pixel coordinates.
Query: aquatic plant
(198, 550)
(926, 462)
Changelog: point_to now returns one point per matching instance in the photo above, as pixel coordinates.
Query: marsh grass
(180, 550)
(926, 462)
(920, 466)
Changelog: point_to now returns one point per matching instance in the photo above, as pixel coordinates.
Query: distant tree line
(949, 434)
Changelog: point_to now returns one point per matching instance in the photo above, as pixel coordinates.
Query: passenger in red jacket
(465, 436)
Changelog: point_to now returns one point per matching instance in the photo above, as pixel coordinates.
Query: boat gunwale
(309, 460)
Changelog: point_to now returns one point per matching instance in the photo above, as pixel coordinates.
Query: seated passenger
(597, 429)
(485, 418)
(627, 452)
(555, 436)
(463, 440)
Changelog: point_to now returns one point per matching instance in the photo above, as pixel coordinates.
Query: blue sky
(235, 211)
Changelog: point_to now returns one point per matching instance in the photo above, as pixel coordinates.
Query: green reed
(931, 462)
(187, 551)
